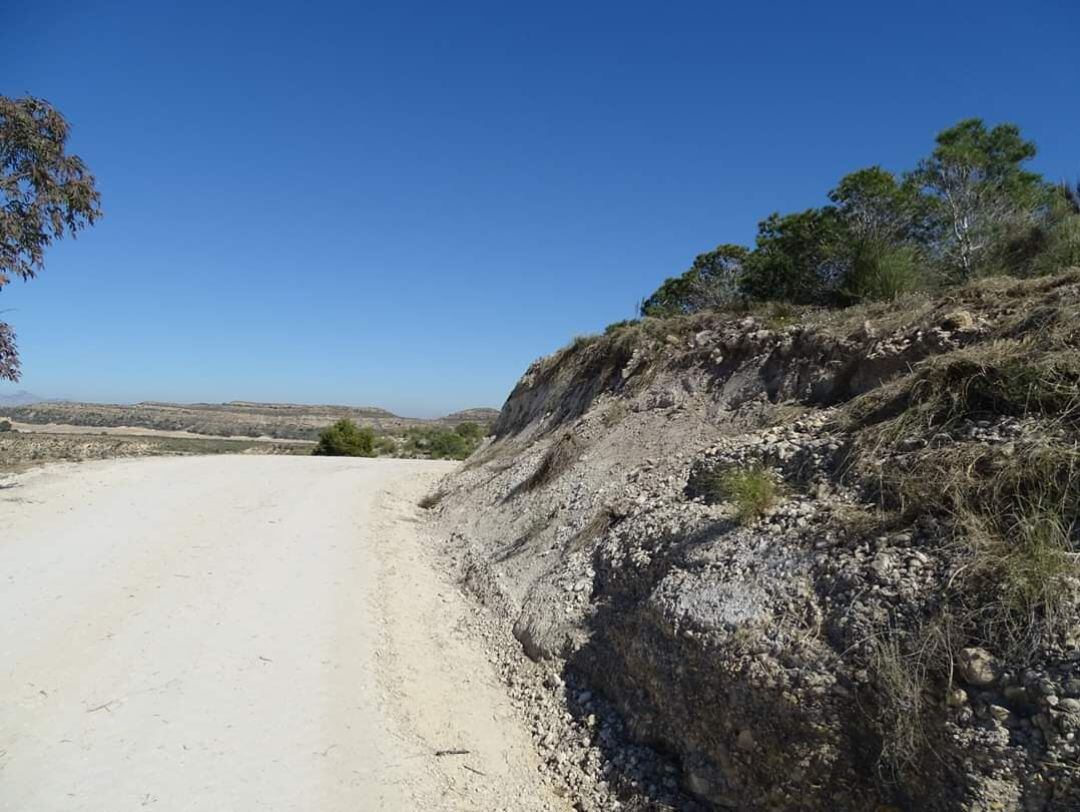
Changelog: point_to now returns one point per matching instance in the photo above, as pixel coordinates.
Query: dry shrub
(910, 675)
(615, 413)
(1025, 573)
(596, 527)
(560, 455)
(432, 499)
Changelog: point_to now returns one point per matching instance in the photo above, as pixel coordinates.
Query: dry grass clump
(980, 478)
(1016, 513)
(432, 499)
(1015, 507)
(911, 673)
(1005, 377)
(593, 529)
(903, 683)
(752, 490)
(560, 455)
(500, 452)
(778, 315)
(1026, 571)
(614, 414)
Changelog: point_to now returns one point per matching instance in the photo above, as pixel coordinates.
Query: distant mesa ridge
(20, 398)
(235, 418)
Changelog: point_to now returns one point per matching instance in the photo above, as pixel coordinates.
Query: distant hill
(20, 398)
(237, 418)
(477, 415)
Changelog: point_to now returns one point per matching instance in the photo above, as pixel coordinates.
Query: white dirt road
(239, 633)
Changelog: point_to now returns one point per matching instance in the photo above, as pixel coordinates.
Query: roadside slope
(241, 633)
(826, 559)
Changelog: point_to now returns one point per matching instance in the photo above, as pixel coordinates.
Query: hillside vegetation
(810, 525)
(969, 209)
(235, 419)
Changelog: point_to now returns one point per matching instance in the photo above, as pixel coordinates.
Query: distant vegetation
(346, 439)
(969, 209)
(442, 443)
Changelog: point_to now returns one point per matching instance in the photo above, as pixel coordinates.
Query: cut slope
(897, 629)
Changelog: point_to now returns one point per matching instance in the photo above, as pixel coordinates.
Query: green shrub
(470, 431)
(443, 444)
(346, 439)
(5, 425)
(881, 274)
(1061, 249)
(385, 445)
(614, 327)
(969, 209)
(448, 445)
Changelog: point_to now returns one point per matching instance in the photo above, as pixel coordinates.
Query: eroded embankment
(825, 560)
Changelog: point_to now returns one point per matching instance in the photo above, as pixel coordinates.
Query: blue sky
(404, 204)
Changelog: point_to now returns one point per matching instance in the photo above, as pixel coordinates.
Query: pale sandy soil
(241, 633)
(136, 431)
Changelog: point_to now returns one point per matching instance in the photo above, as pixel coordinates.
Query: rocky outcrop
(854, 643)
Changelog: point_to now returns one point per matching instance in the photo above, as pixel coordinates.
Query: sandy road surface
(241, 633)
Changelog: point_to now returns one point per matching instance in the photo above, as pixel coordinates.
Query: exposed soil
(243, 632)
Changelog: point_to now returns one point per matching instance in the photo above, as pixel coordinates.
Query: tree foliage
(45, 194)
(969, 208)
(797, 257)
(713, 281)
(9, 354)
(975, 178)
(345, 439)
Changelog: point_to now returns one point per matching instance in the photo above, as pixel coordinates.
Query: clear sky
(403, 204)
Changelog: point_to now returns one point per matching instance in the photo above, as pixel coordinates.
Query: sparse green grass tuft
(883, 274)
(752, 490)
